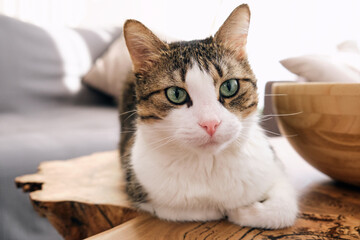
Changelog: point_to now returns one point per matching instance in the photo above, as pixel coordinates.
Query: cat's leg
(278, 210)
(174, 214)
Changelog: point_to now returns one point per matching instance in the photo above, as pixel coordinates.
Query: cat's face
(196, 94)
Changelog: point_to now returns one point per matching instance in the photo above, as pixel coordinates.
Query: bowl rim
(316, 83)
(316, 88)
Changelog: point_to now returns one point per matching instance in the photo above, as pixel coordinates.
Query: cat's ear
(233, 33)
(144, 47)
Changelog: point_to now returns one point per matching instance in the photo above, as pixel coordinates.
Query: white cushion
(111, 70)
(343, 66)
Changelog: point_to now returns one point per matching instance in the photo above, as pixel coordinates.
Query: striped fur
(161, 141)
(170, 69)
(167, 66)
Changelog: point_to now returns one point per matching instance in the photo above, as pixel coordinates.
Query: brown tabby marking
(170, 70)
(159, 65)
(128, 116)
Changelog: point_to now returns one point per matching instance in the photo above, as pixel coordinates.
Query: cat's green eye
(176, 95)
(229, 88)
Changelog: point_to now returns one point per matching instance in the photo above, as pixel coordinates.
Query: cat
(191, 148)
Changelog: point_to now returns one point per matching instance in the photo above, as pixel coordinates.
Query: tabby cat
(191, 147)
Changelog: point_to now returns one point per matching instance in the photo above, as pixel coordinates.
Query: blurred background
(279, 28)
(62, 62)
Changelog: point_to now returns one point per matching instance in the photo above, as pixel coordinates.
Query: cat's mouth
(210, 143)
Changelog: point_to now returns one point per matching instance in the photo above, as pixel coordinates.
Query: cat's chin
(209, 145)
(212, 147)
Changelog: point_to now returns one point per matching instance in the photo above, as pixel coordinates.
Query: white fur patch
(190, 175)
(186, 121)
(201, 89)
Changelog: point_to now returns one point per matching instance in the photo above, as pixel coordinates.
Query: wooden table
(83, 197)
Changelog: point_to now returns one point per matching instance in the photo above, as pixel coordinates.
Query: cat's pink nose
(210, 126)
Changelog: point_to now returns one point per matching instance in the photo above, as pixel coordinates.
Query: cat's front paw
(264, 215)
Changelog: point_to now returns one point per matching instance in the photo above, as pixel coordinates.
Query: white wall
(279, 28)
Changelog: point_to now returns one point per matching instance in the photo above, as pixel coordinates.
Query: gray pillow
(40, 66)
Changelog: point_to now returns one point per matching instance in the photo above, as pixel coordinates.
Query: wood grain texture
(326, 227)
(328, 210)
(80, 197)
(325, 129)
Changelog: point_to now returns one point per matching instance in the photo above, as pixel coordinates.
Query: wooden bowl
(322, 122)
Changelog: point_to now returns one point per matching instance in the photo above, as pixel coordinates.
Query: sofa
(46, 113)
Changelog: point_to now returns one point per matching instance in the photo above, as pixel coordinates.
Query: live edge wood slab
(84, 197)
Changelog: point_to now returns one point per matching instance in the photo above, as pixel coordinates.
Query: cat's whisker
(125, 155)
(241, 139)
(169, 140)
(131, 111)
(160, 141)
(158, 128)
(275, 94)
(274, 133)
(130, 116)
(266, 119)
(165, 128)
(243, 136)
(123, 132)
(277, 134)
(281, 135)
(260, 120)
(152, 144)
(154, 130)
(264, 116)
(283, 114)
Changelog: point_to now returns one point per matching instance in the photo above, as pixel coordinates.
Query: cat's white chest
(186, 181)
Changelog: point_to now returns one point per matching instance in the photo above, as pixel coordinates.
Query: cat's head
(195, 94)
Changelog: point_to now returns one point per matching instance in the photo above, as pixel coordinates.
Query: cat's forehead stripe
(200, 85)
(205, 53)
(218, 69)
